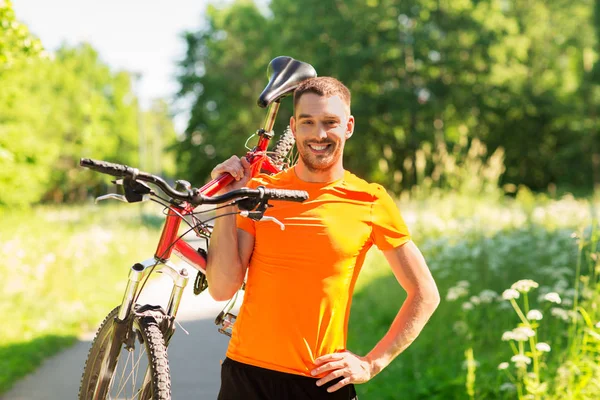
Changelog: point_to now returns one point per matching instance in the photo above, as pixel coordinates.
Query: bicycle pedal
(226, 324)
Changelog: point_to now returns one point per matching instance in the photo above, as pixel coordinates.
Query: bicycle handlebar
(192, 196)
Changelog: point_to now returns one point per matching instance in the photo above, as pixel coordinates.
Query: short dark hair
(323, 86)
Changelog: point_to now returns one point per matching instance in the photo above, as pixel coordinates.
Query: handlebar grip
(106, 167)
(287, 195)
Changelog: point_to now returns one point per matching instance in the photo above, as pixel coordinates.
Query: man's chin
(318, 166)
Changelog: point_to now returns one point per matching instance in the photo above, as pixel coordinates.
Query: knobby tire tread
(282, 147)
(155, 348)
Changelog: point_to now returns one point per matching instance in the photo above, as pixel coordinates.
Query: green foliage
(54, 256)
(159, 137)
(513, 75)
(57, 108)
(56, 112)
(16, 43)
(223, 73)
(473, 259)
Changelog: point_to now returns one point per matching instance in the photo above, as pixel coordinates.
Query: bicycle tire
(282, 148)
(148, 337)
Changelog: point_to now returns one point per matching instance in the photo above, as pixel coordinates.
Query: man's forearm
(408, 324)
(224, 269)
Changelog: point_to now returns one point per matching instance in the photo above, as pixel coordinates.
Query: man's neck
(332, 174)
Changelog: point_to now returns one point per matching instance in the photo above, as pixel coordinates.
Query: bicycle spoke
(122, 375)
(133, 362)
(107, 364)
(122, 381)
(133, 370)
(112, 379)
(132, 373)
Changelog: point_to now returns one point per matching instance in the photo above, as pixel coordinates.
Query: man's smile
(319, 148)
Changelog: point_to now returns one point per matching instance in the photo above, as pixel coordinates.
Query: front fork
(139, 273)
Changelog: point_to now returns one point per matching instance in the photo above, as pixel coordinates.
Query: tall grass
(476, 252)
(62, 270)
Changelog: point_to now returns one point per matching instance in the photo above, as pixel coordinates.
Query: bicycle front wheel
(136, 368)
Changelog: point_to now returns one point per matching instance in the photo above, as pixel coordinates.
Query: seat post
(271, 115)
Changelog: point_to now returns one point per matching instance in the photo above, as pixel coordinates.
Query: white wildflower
(563, 372)
(509, 294)
(503, 365)
(523, 333)
(552, 297)
(560, 313)
(463, 284)
(475, 300)
(534, 315)
(598, 325)
(467, 306)
(508, 335)
(524, 285)
(507, 387)
(521, 360)
(567, 302)
(543, 347)
(487, 296)
(456, 292)
(574, 315)
(467, 363)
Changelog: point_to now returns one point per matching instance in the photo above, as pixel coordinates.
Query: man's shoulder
(267, 180)
(357, 184)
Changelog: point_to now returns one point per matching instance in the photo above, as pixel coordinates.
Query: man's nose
(322, 132)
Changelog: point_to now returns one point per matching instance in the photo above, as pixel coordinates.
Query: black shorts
(246, 382)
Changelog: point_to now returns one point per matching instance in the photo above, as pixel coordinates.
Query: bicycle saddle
(284, 75)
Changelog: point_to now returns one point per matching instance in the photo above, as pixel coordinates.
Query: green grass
(63, 269)
(490, 247)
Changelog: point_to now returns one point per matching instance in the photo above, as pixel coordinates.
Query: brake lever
(134, 192)
(260, 216)
(115, 196)
(273, 219)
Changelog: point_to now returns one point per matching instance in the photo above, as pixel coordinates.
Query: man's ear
(350, 127)
(293, 126)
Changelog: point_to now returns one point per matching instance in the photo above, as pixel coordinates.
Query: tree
(16, 43)
(510, 74)
(223, 73)
(56, 111)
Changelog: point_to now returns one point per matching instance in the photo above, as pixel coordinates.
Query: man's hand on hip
(353, 368)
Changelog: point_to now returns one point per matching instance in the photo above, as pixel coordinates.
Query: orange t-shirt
(300, 280)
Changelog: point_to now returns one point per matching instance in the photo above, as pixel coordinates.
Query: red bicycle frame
(170, 242)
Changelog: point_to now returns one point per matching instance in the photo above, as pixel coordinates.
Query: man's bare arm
(412, 273)
(229, 253)
(230, 248)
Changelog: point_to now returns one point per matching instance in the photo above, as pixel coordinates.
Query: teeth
(318, 147)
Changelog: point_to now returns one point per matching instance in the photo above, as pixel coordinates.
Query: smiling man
(289, 340)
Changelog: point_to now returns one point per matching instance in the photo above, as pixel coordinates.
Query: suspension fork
(140, 271)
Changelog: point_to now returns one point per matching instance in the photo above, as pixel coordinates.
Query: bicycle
(148, 329)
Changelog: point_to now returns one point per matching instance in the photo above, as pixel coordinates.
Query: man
(289, 340)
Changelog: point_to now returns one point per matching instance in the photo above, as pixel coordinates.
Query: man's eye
(306, 122)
